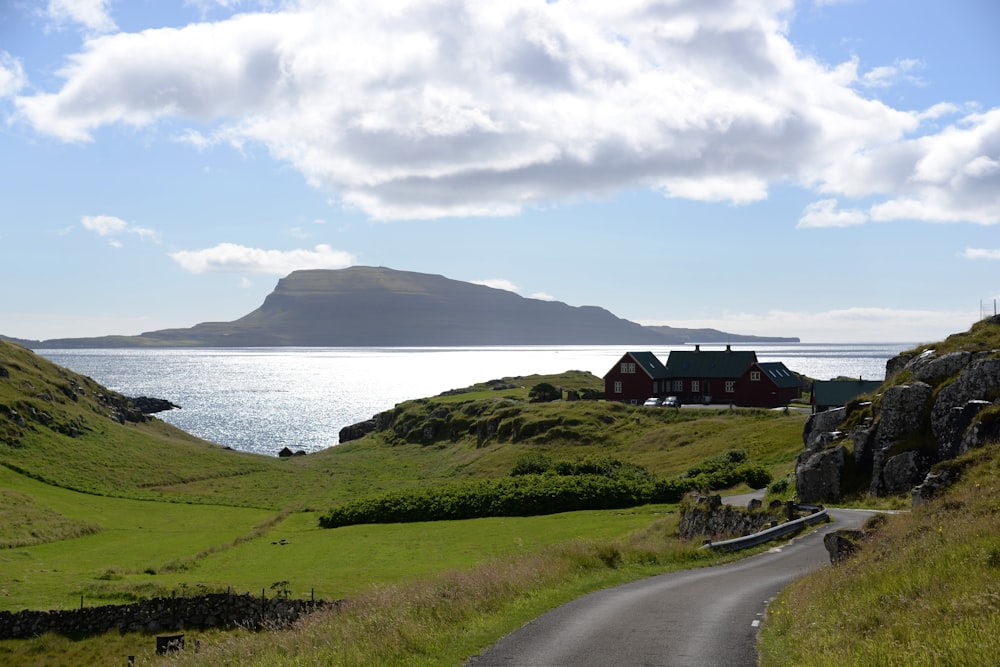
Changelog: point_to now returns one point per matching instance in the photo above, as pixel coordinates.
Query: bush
(543, 392)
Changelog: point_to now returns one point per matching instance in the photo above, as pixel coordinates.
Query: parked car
(653, 402)
(671, 402)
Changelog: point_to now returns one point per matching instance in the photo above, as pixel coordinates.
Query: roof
(841, 392)
(709, 363)
(649, 363)
(779, 374)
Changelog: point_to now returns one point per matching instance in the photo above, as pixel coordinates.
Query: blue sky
(821, 169)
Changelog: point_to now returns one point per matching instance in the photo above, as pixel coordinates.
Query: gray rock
(903, 412)
(819, 423)
(979, 433)
(840, 544)
(863, 438)
(818, 475)
(897, 364)
(358, 431)
(902, 472)
(933, 484)
(950, 432)
(939, 368)
(980, 381)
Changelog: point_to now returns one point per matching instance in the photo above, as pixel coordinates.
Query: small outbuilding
(832, 394)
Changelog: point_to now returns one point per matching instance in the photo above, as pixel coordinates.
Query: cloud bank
(450, 108)
(234, 258)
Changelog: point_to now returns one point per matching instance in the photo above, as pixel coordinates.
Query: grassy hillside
(923, 590)
(103, 505)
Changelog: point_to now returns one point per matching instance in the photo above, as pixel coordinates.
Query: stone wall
(706, 517)
(215, 610)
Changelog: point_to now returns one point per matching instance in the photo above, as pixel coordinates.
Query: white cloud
(94, 15)
(12, 78)
(982, 253)
(847, 325)
(888, 75)
(497, 283)
(543, 296)
(109, 225)
(824, 213)
(233, 258)
(950, 176)
(456, 108)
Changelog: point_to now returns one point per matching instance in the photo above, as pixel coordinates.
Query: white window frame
(695, 386)
(618, 386)
(730, 386)
(628, 367)
(754, 376)
(678, 386)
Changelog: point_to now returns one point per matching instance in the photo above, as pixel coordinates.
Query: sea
(264, 399)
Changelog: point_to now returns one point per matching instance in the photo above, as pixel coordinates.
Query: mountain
(373, 307)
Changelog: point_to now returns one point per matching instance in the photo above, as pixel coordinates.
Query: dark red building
(636, 377)
(703, 376)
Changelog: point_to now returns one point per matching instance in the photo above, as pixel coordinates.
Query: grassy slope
(924, 590)
(115, 512)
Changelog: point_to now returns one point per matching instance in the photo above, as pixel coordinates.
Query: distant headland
(365, 306)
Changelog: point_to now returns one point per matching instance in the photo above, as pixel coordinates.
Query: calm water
(263, 399)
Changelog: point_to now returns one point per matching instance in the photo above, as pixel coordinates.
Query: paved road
(698, 617)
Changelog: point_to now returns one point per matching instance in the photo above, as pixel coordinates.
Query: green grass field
(105, 512)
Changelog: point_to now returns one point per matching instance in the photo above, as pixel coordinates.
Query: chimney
(728, 349)
(697, 348)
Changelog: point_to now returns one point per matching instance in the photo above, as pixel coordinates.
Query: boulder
(818, 474)
(358, 431)
(980, 381)
(820, 423)
(933, 484)
(903, 412)
(901, 473)
(934, 369)
(951, 430)
(840, 544)
(863, 438)
(979, 433)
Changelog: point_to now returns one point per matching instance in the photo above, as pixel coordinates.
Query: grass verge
(925, 590)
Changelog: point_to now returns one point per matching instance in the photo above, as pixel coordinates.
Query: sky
(826, 169)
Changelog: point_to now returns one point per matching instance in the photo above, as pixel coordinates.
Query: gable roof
(841, 392)
(779, 374)
(650, 364)
(709, 363)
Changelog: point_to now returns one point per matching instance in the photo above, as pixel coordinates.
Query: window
(678, 385)
(628, 367)
(695, 386)
(618, 387)
(754, 376)
(730, 386)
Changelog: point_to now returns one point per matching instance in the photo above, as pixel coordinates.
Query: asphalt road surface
(705, 617)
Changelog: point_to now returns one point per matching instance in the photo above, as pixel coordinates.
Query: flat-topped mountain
(373, 307)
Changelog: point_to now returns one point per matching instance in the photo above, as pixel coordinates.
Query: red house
(703, 376)
(636, 377)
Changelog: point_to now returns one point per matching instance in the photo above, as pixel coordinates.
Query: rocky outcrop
(148, 405)
(934, 407)
(818, 474)
(358, 430)
(706, 517)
